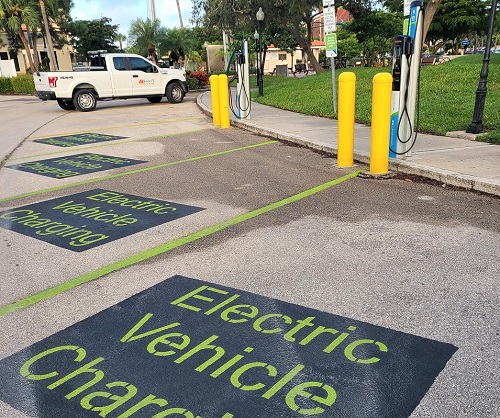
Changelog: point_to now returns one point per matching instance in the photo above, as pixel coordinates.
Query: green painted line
(136, 171)
(83, 147)
(163, 248)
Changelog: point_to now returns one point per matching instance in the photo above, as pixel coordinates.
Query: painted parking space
(73, 140)
(86, 220)
(74, 165)
(174, 348)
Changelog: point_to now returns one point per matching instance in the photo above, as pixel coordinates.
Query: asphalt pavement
(456, 159)
(135, 236)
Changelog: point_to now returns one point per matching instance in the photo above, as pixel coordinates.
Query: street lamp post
(258, 37)
(477, 119)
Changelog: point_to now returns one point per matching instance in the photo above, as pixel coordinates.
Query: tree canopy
(16, 16)
(16, 13)
(92, 35)
(289, 16)
(457, 19)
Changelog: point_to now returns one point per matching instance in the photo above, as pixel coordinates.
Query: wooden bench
(428, 60)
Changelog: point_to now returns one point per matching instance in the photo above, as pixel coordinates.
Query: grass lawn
(447, 95)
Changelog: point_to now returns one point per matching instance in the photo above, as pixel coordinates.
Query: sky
(123, 12)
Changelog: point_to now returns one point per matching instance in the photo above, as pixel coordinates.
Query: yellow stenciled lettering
(25, 368)
(119, 400)
(102, 197)
(165, 339)
(204, 345)
(299, 390)
(86, 368)
(148, 400)
(257, 325)
(350, 348)
(318, 331)
(301, 323)
(235, 377)
(7, 215)
(129, 336)
(230, 363)
(239, 310)
(195, 294)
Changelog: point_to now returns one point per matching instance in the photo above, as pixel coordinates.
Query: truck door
(122, 78)
(146, 80)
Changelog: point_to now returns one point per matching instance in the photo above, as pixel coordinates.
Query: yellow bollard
(214, 92)
(225, 121)
(347, 99)
(381, 122)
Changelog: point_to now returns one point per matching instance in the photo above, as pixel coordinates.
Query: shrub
(23, 84)
(201, 78)
(6, 85)
(193, 83)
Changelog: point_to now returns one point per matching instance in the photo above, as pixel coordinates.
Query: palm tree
(181, 42)
(142, 36)
(120, 38)
(14, 14)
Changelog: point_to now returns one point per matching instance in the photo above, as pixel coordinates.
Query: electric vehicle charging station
(243, 104)
(405, 71)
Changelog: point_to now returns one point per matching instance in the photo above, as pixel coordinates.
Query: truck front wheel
(85, 100)
(66, 104)
(175, 93)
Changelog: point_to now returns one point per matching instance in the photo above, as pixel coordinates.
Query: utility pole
(180, 14)
(50, 46)
(153, 11)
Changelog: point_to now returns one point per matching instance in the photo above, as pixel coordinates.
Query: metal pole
(477, 119)
(334, 85)
(259, 70)
(257, 58)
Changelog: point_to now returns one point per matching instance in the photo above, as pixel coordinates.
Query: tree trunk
(305, 48)
(263, 60)
(26, 45)
(48, 39)
(430, 10)
(34, 40)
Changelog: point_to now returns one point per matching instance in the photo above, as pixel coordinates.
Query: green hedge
(6, 85)
(22, 84)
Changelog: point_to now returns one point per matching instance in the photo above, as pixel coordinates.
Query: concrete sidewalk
(455, 161)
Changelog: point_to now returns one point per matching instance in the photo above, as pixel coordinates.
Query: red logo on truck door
(53, 81)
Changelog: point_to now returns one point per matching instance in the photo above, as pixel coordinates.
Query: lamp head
(260, 14)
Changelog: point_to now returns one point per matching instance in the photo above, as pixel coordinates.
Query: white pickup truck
(118, 76)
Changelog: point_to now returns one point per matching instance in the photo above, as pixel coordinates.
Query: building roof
(316, 42)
